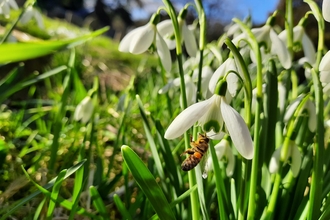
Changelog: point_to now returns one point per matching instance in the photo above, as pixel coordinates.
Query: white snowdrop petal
(233, 83)
(163, 53)
(78, 113)
(291, 108)
(295, 160)
(27, 15)
(13, 4)
(231, 161)
(126, 41)
(38, 17)
(325, 76)
(143, 39)
(186, 119)
(189, 41)
(238, 130)
(220, 72)
(309, 49)
(281, 96)
(325, 62)
(279, 48)
(275, 161)
(165, 29)
(326, 10)
(166, 87)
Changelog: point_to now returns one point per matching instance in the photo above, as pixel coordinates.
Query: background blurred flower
(5, 6)
(30, 13)
(293, 153)
(84, 110)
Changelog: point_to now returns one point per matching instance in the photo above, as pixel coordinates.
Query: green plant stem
(202, 43)
(177, 32)
(315, 195)
(289, 25)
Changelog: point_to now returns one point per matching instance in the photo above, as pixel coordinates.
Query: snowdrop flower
(166, 30)
(309, 106)
(293, 153)
(271, 40)
(5, 6)
(189, 85)
(207, 73)
(211, 114)
(228, 65)
(326, 10)
(300, 36)
(140, 39)
(30, 13)
(222, 150)
(84, 110)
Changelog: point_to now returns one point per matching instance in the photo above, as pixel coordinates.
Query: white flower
(295, 155)
(326, 10)
(140, 39)
(5, 6)
(84, 110)
(189, 85)
(222, 149)
(30, 13)
(300, 36)
(166, 30)
(271, 40)
(207, 73)
(325, 73)
(211, 114)
(309, 106)
(232, 79)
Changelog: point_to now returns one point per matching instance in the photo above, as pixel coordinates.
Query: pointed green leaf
(147, 183)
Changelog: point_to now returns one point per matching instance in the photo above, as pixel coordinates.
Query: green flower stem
(257, 124)
(202, 43)
(191, 175)
(219, 184)
(315, 195)
(247, 80)
(289, 26)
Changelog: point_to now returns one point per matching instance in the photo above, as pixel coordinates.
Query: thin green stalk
(315, 196)
(289, 25)
(177, 32)
(202, 43)
(257, 124)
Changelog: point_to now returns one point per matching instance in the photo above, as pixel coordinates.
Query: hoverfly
(197, 150)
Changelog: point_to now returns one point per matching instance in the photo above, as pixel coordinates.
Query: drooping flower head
(140, 39)
(211, 115)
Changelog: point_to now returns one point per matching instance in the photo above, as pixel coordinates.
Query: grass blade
(54, 194)
(121, 207)
(147, 183)
(98, 202)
